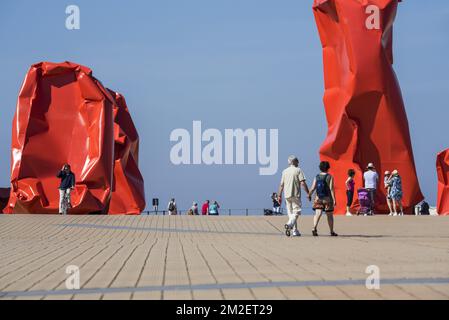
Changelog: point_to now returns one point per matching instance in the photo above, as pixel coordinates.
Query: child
(350, 183)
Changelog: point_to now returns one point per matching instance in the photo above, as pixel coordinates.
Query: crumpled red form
(128, 196)
(443, 182)
(63, 115)
(364, 108)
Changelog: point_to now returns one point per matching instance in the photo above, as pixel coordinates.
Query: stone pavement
(196, 257)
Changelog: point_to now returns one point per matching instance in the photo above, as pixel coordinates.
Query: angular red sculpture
(443, 182)
(63, 115)
(363, 103)
(128, 188)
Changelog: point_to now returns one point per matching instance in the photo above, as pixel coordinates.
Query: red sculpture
(363, 103)
(63, 115)
(127, 188)
(443, 182)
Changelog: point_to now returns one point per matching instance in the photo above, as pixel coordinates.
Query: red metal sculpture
(128, 188)
(63, 115)
(443, 182)
(363, 103)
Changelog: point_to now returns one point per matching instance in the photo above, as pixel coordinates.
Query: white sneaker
(296, 234)
(395, 214)
(390, 214)
(348, 214)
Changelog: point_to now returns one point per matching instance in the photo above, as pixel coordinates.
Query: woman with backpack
(325, 201)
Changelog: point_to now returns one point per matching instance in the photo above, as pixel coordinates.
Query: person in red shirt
(205, 208)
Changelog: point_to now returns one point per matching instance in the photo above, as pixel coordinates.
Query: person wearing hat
(396, 193)
(371, 179)
(387, 185)
(292, 180)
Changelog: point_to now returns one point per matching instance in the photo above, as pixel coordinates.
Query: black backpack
(171, 206)
(322, 188)
(425, 209)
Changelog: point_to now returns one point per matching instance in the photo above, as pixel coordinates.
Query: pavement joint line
(246, 285)
(171, 230)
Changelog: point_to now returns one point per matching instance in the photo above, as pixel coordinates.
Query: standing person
(396, 193)
(292, 180)
(213, 209)
(323, 184)
(276, 203)
(65, 187)
(350, 184)
(205, 208)
(371, 180)
(387, 185)
(194, 208)
(172, 208)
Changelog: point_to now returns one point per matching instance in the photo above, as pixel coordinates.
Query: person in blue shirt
(66, 186)
(213, 209)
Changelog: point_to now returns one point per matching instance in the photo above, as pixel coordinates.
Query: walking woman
(396, 193)
(325, 198)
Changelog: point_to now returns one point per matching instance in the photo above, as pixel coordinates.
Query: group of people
(208, 208)
(392, 184)
(293, 179)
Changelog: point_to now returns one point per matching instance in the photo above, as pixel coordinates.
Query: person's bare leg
(389, 206)
(395, 213)
(330, 221)
(316, 218)
(400, 207)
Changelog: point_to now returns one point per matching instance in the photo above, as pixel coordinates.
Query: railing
(225, 212)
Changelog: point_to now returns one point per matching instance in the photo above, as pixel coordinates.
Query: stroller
(364, 201)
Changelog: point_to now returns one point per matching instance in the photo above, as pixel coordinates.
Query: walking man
(65, 188)
(371, 180)
(292, 180)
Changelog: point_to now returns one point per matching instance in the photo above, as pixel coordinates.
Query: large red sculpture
(128, 187)
(63, 115)
(363, 103)
(443, 182)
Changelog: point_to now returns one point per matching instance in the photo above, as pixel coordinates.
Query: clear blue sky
(230, 64)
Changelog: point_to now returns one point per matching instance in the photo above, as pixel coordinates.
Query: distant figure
(350, 184)
(65, 188)
(276, 203)
(396, 193)
(325, 199)
(387, 185)
(371, 180)
(194, 208)
(172, 208)
(213, 209)
(292, 180)
(205, 208)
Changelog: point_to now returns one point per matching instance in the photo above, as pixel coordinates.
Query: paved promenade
(195, 257)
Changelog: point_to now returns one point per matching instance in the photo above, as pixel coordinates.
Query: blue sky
(231, 64)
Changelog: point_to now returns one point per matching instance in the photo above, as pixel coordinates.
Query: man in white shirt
(371, 179)
(292, 180)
